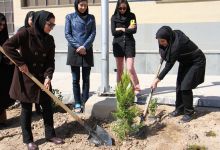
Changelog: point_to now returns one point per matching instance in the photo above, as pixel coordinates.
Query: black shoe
(56, 140)
(32, 146)
(139, 99)
(187, 118)
(176, 113)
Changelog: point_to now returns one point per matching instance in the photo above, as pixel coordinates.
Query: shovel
(143, 115)
(98, 136)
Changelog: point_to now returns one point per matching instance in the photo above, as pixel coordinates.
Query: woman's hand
(132, 26)
(47, 82)
(24, 68)
(154, 84)
(120, 29)
(81, 50)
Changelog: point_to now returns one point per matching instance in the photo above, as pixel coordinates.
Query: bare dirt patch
(163, 134)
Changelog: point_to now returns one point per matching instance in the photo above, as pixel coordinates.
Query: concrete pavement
(207, 94)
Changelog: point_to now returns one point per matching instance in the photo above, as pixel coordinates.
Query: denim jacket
(79, 32)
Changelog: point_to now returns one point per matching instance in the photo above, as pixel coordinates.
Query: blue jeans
(76, 84)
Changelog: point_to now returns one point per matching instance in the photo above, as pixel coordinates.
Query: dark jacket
(80, 32)
(37, 56)
(6, 71)
(123, 38)
(191, 60)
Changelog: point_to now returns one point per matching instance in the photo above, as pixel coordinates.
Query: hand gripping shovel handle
(56, 100)
(151, 94)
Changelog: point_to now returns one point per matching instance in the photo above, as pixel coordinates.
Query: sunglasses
(50, 24)
(122, 8)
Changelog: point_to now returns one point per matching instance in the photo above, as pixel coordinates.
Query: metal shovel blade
(100, 137)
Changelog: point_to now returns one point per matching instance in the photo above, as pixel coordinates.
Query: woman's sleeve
(133, 30)
(113, 28)
(91, 37)
(50, 65)
(168, 66)
(10, 47)
(166, 69)
(68, 33)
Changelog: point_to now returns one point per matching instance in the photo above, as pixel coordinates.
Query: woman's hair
(119, 2)
(122, 1)
(4, 32)
(82, 1)
(2, 17)
(76, 7)
(51, 15)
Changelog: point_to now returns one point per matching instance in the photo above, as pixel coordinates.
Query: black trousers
(184, 101)
(26, 115)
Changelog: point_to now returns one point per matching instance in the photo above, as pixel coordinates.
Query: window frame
(24, 4)
(9, 14)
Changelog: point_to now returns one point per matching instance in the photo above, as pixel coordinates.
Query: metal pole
(104, 47)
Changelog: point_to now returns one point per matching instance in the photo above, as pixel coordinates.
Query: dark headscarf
(168, 34)
(118, 16)
(76, 8)
(4, 32)
(29, 14)
(40, 19)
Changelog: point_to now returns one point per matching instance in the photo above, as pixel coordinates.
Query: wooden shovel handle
(151, 92)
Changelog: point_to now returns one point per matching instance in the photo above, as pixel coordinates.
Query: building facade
(199, 19)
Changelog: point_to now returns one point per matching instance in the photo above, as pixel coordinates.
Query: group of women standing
(33, 50)
(174, 46)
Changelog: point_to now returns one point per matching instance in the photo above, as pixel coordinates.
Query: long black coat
(37, 56)
(191, 60)
(6, 74)
(6, 71)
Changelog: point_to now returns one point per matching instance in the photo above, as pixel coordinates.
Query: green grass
(210, 134)
(196, 147)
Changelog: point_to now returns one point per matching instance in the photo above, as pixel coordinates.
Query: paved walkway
(207, 94)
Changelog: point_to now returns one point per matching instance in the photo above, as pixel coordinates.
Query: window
(6, 7)
(36, 3)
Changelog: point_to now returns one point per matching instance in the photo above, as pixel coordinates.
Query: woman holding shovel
(6, 72)
(174, 46)
(28, 22)
(37, 50)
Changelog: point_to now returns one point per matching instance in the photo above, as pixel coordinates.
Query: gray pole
(104, 88)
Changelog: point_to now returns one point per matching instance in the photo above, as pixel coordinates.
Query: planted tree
(126, 111)
(153, 107)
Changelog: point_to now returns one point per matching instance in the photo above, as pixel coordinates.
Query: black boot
(176, 113)
(187, 118)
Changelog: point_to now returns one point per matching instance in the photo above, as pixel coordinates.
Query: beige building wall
(199, 20)
(146, 12)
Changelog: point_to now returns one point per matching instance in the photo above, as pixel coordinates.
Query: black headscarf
(76, 8)
(168, 34)
(40, 19)
(4, 32)
(29, 14)
(118, 16)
